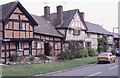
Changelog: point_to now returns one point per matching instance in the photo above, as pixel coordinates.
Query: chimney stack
(60, 14)
(82, 14)
(47, 13)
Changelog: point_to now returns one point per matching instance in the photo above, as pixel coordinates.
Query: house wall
(76, 25)
(14, 34)
(54, 42)
(93, 39)
(71, 36)
(110, 39)
(12, 28)
(8, 48)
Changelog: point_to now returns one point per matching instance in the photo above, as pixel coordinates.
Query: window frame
(38, 45)
(88, 44)
(22, 25)
(76, 32)
(20, 46)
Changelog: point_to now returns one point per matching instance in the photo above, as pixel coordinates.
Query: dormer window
(76, 32)
(22, 26)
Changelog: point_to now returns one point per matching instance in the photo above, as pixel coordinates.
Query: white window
(76, 32)
(56, 46)
(20, 46)
(22, 26)
(38, 45)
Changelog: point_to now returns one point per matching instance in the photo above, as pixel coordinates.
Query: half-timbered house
(70, 24)
(17, 29)
(23, 34)
(46, 38)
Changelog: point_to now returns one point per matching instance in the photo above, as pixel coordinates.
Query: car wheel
(98, 62)
(114, 61)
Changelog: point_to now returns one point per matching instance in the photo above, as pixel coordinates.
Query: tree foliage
(102, 44)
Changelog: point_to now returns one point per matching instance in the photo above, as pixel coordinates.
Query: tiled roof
(67, 18)
(95, 28)
(44, 27)
(7, 10)
(116, 35)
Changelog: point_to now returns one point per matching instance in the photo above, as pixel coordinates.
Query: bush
(113, 52)
(83, 53)
(31, 57)
(76, 54)
(42, 56)
(66, 55)
(13, 57)
(91, 52)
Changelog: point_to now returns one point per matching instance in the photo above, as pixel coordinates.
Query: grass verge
(33, 69)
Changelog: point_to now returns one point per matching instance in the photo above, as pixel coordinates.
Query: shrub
(76, 54)
(71, 55)
(31, 57)
(83, 53)
(113, 52)
(13, 57)
(42, 56)
(91, 52)
(63, 55)
(66, 55)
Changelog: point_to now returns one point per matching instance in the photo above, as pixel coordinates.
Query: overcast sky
(102, 12)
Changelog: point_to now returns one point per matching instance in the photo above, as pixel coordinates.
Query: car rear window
(103, 54)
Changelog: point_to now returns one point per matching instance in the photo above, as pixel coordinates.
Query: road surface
(92, 70)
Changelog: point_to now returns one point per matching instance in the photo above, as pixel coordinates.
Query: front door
(46, 49)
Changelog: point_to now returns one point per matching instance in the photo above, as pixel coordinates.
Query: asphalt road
(93, 70)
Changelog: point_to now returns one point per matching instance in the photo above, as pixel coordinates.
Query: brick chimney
(60, 14)
(47, 13)
(82, 14)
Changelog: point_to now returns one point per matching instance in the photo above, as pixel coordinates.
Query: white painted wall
(76, 24)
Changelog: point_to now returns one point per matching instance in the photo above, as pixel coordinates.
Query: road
(92, 70)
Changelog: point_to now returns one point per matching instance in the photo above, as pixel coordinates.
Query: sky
(102, 12)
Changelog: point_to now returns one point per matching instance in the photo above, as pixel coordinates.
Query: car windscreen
(103, 54)
(117, 49)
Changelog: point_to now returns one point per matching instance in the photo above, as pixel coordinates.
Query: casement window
(65, 46)
(88, 35)
(56, 45)
(76, 32)
(88, 44)
(20, 47)
(38, 45)
(22, 26)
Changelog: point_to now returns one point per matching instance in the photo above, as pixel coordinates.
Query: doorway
(46, 49)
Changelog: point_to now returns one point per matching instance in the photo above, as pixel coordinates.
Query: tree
(102, 44)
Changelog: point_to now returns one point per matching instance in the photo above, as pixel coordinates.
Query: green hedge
(68, 55)
(92, 52)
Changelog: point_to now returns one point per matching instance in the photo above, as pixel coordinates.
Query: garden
(74, 56)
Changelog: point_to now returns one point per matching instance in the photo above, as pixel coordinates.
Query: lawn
(33, 69)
